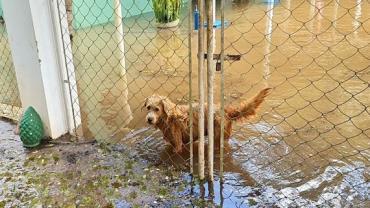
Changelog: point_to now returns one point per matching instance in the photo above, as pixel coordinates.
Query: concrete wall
(36, 46)
(94, 12)
(1, 9)
(88, 13)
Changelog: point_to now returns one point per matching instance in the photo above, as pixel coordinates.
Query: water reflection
(102, 89)
(268, 32)
(356, 21)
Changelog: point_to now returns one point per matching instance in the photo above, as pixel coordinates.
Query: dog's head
(158, 107)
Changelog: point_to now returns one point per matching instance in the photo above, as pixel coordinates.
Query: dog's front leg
(177, 138)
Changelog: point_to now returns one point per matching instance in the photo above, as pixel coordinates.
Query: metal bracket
(226, 58)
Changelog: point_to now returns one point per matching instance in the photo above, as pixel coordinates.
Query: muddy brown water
(310, 144)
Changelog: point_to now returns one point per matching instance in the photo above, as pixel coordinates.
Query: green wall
(1, 9)
(94, 12)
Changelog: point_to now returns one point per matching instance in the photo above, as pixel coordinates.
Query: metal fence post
(210, 86)
(68, 72)
(222, 96)
(201, 86)
(190, 29)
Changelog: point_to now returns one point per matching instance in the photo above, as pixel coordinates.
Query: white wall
(37, 55)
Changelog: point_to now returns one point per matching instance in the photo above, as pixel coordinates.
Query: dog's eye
(156, 109)
(148, 107)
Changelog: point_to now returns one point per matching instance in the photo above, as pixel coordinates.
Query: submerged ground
(112, 175)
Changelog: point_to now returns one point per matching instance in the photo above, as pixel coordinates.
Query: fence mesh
(309, 144)
(156, 63)
(10, 103)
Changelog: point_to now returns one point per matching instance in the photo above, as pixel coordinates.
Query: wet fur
(173, 120)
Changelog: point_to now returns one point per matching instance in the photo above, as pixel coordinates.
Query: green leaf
(166, 10)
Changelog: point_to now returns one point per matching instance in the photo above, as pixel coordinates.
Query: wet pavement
(85, 175)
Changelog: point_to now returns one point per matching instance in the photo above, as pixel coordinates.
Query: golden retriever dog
(173, 120)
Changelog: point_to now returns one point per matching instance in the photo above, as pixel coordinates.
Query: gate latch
(227, 57)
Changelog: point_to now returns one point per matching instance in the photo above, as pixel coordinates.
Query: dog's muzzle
(149, 120)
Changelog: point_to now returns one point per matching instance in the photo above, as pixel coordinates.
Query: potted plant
(167, 12)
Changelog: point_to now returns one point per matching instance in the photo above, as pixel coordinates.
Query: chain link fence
(308, 146)
(10, 104)
(112, 92)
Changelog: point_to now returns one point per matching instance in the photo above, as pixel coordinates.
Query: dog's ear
(145, 103)
(168, 106)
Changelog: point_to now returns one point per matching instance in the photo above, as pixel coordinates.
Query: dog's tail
(246, 109)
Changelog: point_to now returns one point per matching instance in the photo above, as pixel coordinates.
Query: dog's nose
(150, 120)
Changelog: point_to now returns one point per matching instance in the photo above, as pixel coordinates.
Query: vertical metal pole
(210, 73)
(268, 32)
(201, 89)
(119, 35)
(214, 10)
(73, 129)
(190, 29)
(222, 91)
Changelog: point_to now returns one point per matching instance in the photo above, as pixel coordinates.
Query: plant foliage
(166, 10)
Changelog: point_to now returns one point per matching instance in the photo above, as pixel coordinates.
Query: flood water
(310, 144)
